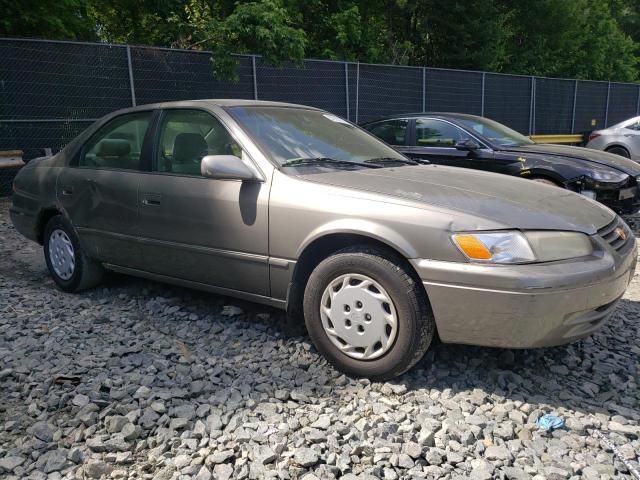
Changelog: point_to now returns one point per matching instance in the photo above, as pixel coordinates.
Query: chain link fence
(52, 90)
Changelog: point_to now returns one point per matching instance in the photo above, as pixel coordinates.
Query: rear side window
(186, 136)
(393, 132)
(118, 144)
(436, 133)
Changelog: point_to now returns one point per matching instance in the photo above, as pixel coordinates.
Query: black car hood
(579, 153)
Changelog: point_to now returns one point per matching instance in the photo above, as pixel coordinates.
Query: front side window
(288, 134)
(186, 137)
(393, 132)
(436, 133)
(118, 144)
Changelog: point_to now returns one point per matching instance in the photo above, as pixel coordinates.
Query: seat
(114, 153)
(188, 150)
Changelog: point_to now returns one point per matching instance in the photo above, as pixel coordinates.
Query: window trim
(155, 147)
(482, 143)
(144, 151)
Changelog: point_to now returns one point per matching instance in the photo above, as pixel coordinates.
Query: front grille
(616, 234)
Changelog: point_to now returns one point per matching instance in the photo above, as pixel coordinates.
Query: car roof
(444, 115)
(214, 102)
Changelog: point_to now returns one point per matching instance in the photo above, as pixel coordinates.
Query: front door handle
(151, 200)
(67, 190)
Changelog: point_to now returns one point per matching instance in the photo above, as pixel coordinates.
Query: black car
(470, 141)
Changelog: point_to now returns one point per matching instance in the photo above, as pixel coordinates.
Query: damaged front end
(616, 190)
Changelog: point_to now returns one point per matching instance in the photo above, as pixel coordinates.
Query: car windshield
(301, 137)
(495, 132)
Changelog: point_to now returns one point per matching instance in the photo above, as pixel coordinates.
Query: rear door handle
(151, 200)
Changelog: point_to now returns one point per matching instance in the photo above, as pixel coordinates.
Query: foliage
(62, 19)
(596, 39)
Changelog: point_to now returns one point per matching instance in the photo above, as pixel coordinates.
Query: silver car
(622, 139)
(297, 208)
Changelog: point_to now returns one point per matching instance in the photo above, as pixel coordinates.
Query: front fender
(366, 228)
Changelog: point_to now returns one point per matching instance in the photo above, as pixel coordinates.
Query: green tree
(62, 19)
(572, 38)
(596, 39)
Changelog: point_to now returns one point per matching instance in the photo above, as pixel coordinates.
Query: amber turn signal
(472, 247)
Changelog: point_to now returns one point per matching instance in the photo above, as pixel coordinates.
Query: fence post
(573, 113)
(606, 109)
(532, 107)
(357, 91)
(346, 87)
(482, 102)
(424, 89)
(255, 77)
(131, 83)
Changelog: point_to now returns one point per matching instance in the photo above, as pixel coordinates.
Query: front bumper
(524, 306)
(623, 198)
(613, 200)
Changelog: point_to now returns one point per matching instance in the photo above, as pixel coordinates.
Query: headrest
(113, 147)
(188, 147)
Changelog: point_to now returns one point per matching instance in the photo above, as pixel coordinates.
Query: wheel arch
(45, 214)
(617, 145)
(323, 246)
(547, 174)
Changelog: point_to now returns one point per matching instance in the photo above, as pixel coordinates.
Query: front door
(213, 232)
(99, 191)
(435, 140)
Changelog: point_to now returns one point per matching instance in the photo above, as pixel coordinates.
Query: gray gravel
(142, 380)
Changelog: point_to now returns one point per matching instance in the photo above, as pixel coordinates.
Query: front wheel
(546, 181)
(366, 314)
(70, 267)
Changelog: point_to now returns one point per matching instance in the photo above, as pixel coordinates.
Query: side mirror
(467, 144)
(225, 167)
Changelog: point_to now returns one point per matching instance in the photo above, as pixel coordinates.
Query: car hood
(509, 201)
(579, 153)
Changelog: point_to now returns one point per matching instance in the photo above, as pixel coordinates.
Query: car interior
(187, 137)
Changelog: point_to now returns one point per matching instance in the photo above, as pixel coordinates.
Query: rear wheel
(366, 314)
(70, 267)
(623, 152)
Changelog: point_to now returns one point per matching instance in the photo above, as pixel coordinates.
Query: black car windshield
(495, 132)
(289, 134)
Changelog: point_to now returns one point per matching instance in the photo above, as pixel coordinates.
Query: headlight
(517, 247)
(608, 176)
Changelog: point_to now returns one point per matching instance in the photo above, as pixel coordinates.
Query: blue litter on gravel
(549, 422)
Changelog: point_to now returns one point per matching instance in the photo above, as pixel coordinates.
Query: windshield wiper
(295, 162)
(404, 161)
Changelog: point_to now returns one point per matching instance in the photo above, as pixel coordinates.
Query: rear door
(99, 190)
(213, 232)
(393, 132)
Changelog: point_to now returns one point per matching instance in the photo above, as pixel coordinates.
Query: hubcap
(358, 316)
(61, 253)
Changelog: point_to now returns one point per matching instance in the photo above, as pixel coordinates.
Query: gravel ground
(142, 380)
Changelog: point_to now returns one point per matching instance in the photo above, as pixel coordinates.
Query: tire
(403, 345)
(59, 239)
(545, 181)
(623, 152)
